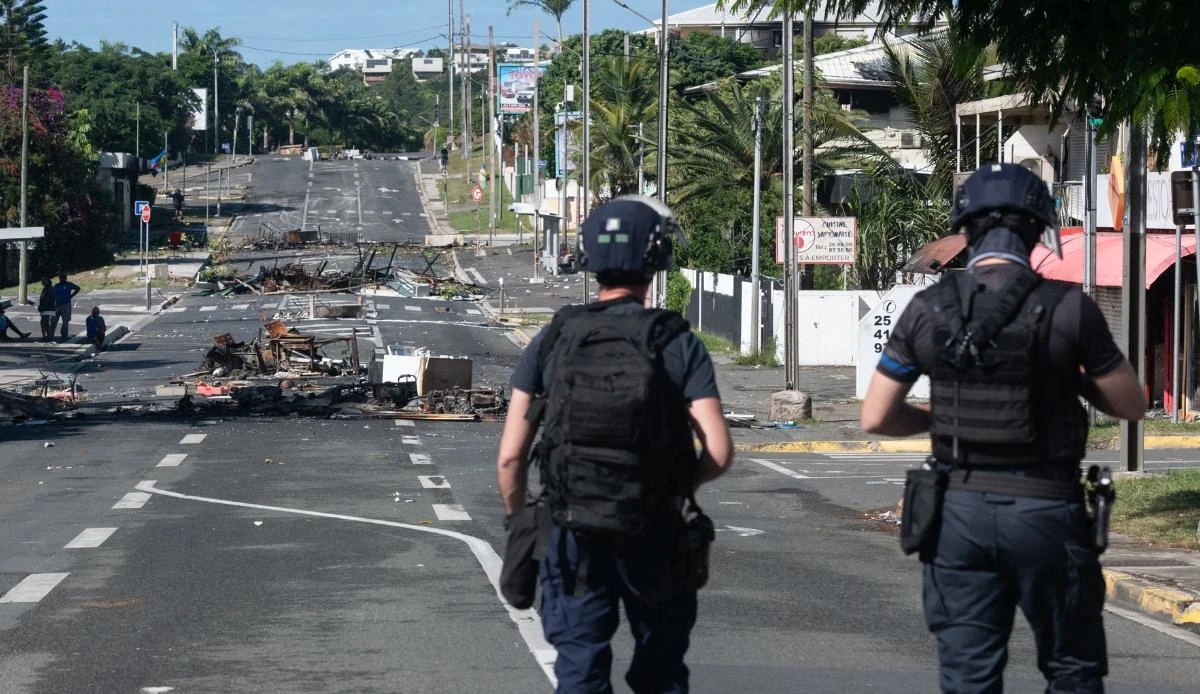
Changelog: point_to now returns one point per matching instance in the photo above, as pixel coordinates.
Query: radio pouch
(921, 516)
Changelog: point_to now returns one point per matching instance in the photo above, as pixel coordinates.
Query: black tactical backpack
(616, 447)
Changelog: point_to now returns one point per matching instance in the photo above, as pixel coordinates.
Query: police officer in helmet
(618, 464)
(1001, 522)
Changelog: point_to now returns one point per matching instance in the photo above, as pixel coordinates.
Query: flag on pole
(155, 161)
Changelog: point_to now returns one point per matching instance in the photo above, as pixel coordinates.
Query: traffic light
(437, 114)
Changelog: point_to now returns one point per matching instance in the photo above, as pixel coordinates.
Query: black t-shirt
(685, 360)
(1079, 335)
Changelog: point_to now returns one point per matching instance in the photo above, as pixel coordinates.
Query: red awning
(1110, 255)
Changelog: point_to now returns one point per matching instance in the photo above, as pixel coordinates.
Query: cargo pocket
(1085, 581)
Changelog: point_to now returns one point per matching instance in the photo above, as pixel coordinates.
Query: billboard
(199, 115)
(820, 240)
(517, 87)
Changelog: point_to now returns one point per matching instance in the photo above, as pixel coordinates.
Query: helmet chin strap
(1001, 243)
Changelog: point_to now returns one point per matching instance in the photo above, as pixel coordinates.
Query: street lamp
(237, 117)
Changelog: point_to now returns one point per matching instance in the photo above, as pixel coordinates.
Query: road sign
(138, 205)
(820, 240)
(477, 193)
(146, 214)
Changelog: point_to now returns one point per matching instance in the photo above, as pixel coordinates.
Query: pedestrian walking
(998, 515)
(177, 197)
(6, 324)
(96, 329)
(64, 292)
(46, 309)
(620, 391)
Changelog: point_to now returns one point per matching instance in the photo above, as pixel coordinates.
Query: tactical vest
(995, 398)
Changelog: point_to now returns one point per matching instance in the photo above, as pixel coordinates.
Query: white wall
(827, 327)
(1031, 142)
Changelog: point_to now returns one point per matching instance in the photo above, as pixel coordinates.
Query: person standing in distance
(64, 292)
(1008, 355)
(622, 390)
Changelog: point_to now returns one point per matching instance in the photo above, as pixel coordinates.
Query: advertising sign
(820, 240)
(199, 115)
(517, 87)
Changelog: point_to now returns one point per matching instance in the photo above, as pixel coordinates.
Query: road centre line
(132, 500)
(529, 624)
(90, 537)
(451, 512)
(33, 587)
(410, 440)
(239, 307)
(778, 468)
(208, 308)
(192, 438)
(433, 482)
(403, 422)
(412, 308)
(420, 459)
(172, 460)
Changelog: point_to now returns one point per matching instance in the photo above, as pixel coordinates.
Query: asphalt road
(321, 555)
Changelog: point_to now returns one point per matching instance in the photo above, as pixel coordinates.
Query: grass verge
(763, 357)
(715, 343)
(1106, 432)
(1160, 509)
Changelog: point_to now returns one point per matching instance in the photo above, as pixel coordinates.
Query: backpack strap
(974, 332)
(659, 327)
(560, 319)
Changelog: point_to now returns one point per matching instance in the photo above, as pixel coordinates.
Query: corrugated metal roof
(709, 15)
(862, 65)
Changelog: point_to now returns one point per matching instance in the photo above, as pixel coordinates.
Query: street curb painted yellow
(917, 445)
(893, 446)
(1174, 606)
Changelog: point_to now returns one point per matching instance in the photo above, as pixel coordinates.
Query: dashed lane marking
(410, 440)
(33, 587)
(433, 482)
(778, 468)
(420, 459)
(239, 307)
(403, 422)
(474, 312)
(451, 512)
(172, 460)
(412, 308)
(89, 538)
(132, 500)
(192, 438)
(383, 307)
(208, 308)
(528, 623)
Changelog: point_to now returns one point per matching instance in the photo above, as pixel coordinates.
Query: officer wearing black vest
(999, 518)
(618, 464)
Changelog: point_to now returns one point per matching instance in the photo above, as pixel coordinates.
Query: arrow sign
(746, 532)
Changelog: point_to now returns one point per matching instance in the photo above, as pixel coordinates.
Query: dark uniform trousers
(996, 553)
(580, 627)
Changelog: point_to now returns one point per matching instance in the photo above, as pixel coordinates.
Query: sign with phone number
(874, 330)
(820, 240)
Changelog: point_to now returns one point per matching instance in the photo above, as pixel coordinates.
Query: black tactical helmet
(1007, 188)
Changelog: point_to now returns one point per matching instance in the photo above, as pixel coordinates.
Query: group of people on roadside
(54, 305)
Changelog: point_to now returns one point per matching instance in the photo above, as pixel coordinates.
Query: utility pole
(789, 205)
(237, 116)
(491, 144)
(468, 92)
(216, 109)
(806, 273)
(586, 181)
(23, 269)
(641, 158)
(166, 171)
(537, 151)
(1133, 289)
(464, 94)
(660, 289)
(137, 136)
(450, 64)
(755, 307)
(1089, 205)
(174, 45)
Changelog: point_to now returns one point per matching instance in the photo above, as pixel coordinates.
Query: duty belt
(974, 480)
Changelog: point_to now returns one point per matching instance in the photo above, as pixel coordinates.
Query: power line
(351, 38)
(326, 54)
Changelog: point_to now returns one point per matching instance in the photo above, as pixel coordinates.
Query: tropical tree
(623, 96)
(22, 35)
(554, 8)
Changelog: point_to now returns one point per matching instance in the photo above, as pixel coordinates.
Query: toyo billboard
(518, 85)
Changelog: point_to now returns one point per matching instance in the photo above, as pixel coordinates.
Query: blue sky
(305, 30)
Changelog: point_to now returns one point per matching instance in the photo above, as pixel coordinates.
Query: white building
(356, 58)
(427, 68)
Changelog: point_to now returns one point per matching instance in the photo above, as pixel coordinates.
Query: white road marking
(383, 307)
(33, 587)
(239, 307)
(478, 277)
(412, 308)
(208, 308)
(1181, 634)
(175, 309)
(304, 214)
(403, 422)
(192, 438)
(156, 690)
(778, 468)
(451, 512)
(172, 460)
(91, 537)
(133, 500)
(433, 482)
(420, 459)
(746, 532)
(877, 456)
(474, 312)
(358, 199)
(529, 624)
(410, 440)
(386, 212)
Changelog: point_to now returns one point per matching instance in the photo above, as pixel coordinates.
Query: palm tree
(1170, 106)
(623, 95)
(554, 8)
